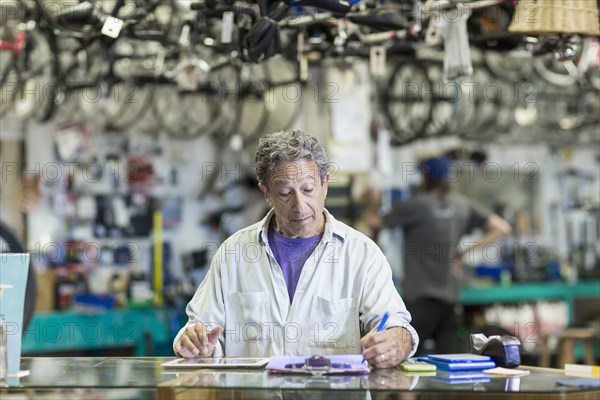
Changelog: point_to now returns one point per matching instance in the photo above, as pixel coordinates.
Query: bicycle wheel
(486, 103)
(277, 102)
(228, 101)
(592, 75)
(218, 142)
(185, 115)
(126, 104)
(29, 74)
(9, 78)
(83, 79)
(444, 97)
(559, 73)
(255, 99)
(406, 105)
(8, 82)
(39, 71)
(287, 94)
(513, 66)
(465, 115)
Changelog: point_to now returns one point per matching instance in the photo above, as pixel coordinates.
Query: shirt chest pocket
(248, 307)
(334, 323)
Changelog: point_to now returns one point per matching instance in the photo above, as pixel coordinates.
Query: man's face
(297, 194)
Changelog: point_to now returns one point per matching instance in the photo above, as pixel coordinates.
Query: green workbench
(143, 330)
(520, 292)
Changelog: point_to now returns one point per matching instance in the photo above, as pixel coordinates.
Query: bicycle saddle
(504, 350)
(262, 41)
(78, 15)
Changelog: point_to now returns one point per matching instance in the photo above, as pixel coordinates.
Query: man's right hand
(198, 340)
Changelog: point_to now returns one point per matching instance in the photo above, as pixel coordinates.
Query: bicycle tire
(485, 106)
(553, 72)
(90, 80)
(465, 111)
(511, 66)
(83, 80)
(30, 75)
(277, 110)
(254, 113)
(8, 84)
(184, 116)
(592, 76)
(407, 113)
(219, 141)
(229, 110)
(127, 103)
(9, 78)
(292, 116)
(40, 67)
(444, 100)
(289, 108)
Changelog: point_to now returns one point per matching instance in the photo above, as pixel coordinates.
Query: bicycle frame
(17, 46)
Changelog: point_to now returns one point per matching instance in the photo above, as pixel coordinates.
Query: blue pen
(381, 325)
(383, 321)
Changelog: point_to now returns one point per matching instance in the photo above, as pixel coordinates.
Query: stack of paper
(585, 371)
(499, 371)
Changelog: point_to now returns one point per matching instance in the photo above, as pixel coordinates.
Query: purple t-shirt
(291, 254)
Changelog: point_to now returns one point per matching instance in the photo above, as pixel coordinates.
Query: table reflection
(384, 379)
(147, 375)
(93, 372)
(396, 379)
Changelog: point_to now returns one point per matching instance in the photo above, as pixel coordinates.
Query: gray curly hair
(288, 146)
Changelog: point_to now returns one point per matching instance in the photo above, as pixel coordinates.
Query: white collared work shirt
(344, 289)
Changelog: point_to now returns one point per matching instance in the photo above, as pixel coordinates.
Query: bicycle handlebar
(337, 6)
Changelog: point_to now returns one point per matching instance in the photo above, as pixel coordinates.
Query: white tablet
(248, 362)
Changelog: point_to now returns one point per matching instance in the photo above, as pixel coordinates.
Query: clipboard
(341, 364)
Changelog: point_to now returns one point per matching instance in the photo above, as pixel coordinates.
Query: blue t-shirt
(291, 254)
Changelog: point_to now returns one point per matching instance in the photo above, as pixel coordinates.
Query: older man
(299, 282)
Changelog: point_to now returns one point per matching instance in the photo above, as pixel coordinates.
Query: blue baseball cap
(436, 167)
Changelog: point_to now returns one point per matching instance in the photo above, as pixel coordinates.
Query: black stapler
(504, 350)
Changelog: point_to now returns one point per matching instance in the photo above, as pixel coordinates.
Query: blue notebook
(472, 374)
(459, 362)
(459, 358)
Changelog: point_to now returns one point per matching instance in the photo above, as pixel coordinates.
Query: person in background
(433, 221)
(298, 282)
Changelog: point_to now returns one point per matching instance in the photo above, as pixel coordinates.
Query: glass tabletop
(96, 372)
(147, 373)
(538, 381)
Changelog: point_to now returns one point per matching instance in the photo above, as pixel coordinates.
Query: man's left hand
(388, 348)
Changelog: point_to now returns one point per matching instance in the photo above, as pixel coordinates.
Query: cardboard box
(45, 293)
